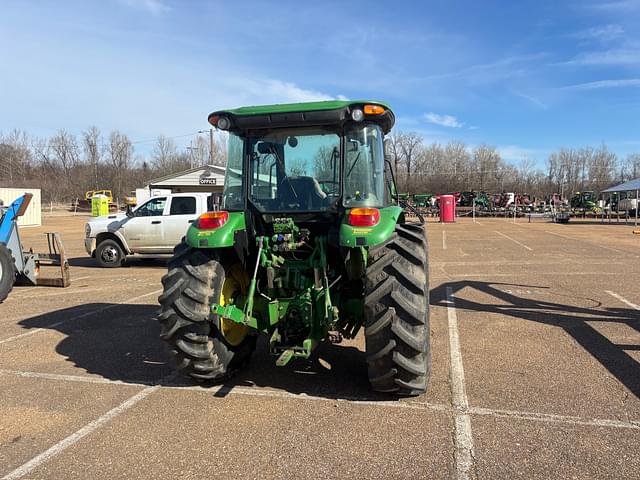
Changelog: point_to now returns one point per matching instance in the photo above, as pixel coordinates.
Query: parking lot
(535, 333)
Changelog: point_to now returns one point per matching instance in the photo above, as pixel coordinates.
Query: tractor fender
(351, 236)
(220, 237)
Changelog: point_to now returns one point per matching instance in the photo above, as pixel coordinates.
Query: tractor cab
(327, 160)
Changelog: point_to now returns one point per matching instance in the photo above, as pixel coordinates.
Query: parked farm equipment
(423, 203)
(584, 201)
(20, 267)
(310, 246)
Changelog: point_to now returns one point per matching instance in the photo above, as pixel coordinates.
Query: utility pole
(211, 148)
(191, 148)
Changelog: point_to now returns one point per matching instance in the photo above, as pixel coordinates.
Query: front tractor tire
(203, 346)
(397, 313)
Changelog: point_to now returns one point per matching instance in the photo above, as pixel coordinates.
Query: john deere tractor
(309, 245)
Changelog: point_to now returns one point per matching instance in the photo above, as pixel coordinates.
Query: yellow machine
(131, 199)
(92, 193)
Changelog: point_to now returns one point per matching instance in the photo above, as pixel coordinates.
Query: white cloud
(620, 56)
(499, 69)
(513, 153)
(603, 33)
(536, 102)
(443, 120)
(155, 7)
(616, 6)
(271, 91)
(621, 83)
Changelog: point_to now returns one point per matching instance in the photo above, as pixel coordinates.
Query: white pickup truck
(153, 227)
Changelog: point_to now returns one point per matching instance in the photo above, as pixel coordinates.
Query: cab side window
(183, 206)
(153, 208)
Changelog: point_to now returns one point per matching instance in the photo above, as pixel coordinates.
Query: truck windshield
(299, 169)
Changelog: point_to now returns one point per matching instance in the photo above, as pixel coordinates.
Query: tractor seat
(308, 193)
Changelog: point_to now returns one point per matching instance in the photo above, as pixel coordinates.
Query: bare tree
(394, 149)
(410, 144)
(120, 153)
(602, 168)
(166, 159)
(91, 143)
(488, 165)
(16, 160)
(631, 167)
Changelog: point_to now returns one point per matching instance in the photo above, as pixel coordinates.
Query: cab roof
(301, 114)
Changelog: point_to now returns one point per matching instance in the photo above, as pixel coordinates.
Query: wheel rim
(235, 282)
(109, 254)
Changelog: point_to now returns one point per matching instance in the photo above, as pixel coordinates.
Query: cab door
(143, 231)
(182, 211)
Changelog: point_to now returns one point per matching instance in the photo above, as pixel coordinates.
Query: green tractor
(584, 201)
(310, 245)
(422, 200)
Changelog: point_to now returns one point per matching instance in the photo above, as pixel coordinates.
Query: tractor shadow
(121, 342)
(335, 371)
(132, 262)
(574, 320)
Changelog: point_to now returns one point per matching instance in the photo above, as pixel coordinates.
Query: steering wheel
(329, 182)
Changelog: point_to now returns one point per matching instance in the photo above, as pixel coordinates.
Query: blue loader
(20, 267)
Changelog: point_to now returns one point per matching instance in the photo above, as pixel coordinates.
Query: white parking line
(264, 392)
(82, 315)
(591, 243)
(444, 240)
(464, 439)
(622, 299)
(57, 294)
(514, 240)
(551, 418)
(75, 437)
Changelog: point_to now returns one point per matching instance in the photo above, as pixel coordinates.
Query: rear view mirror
(265, 148)
(129, 212)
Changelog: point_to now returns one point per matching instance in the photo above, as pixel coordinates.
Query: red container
(447, 208)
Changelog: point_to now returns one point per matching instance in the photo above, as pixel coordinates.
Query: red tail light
(212, 220)
(364, 217)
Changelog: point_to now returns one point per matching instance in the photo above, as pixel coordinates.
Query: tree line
(65, 166)
(455, 167)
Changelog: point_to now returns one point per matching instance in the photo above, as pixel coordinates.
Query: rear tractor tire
(7, 272)
(397, 313)
(203, 346)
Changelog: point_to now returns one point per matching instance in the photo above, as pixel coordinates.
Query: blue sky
(527, 77)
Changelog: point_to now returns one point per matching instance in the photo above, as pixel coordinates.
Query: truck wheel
(109, 254)
(204, 346)
(7, 272)
(397, 313)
